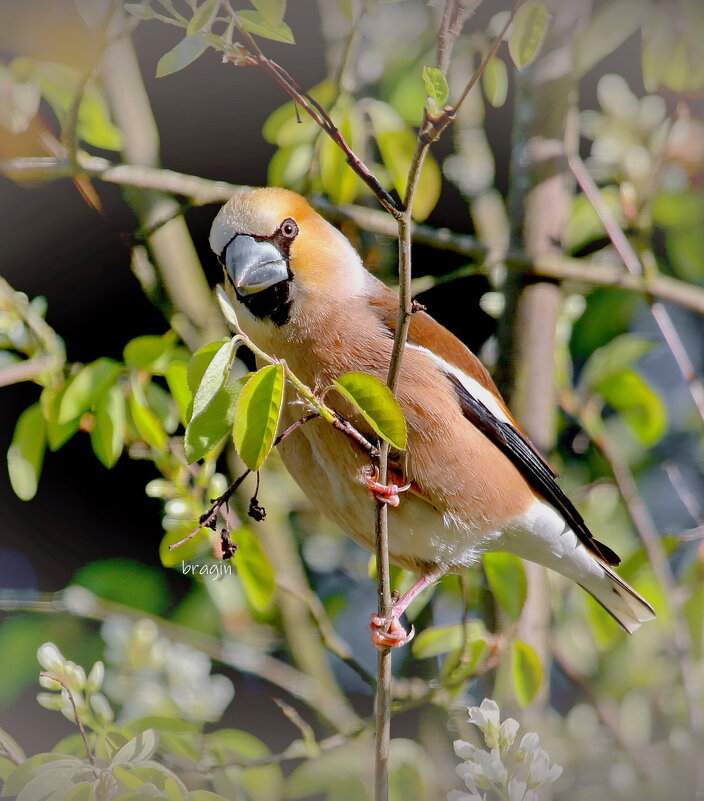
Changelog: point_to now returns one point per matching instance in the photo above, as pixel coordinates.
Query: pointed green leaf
(272, 10)
(215, 375)
(526, 673)
(26, 452)
(199, 362)
(185, 53)
(203, 17)
(145, 421)
(340, 183)
(149, 352)
(86, 388)
(527, 32)
(254, 570)
(507, 580)
(177, 380)
(108, 434)
(139, 748)
(443, 639)
(397, 145)
(255, 23)
(495, 82)
(377, 404)
(641, 408)
(57, 434)
(436, 88)
(610, 359)
(257, 415)
(282, 126)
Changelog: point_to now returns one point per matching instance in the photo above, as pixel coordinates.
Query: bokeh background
(98, 528)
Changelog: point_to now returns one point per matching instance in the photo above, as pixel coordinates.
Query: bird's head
(281, 258)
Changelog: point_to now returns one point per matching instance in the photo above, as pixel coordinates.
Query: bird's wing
(484, 408)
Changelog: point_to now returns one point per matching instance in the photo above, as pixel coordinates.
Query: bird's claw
(386, 493)
(388, 632)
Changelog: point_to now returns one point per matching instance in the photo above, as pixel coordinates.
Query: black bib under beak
(254, 265)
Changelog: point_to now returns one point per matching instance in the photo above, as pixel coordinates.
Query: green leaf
(139, 748)
(282, 126)
(185, 53)
(609, 26)
(436, 88)
(127, 582)
(641, 408)
(199, 362)
(271, 10)
(397, 145)
(149, 352)
(29, 769)
(670, 58)
(527, 33)
(86, 388)
(213, 405)
(438, 640)
(257, 415)
(203, 17)
(340, 182)
(57, 434)
(255, 23)
(608, 313)
(377, 405)
(254, 570)
(25, 455)
(108, 434)
(139, 10)
(584, 225)
(611, 359)
(58, 83)
(507, 581)
(232, 745)
(177, 380)
(145, 421)
(495, 82)
(526, 673)
(162, 405)
(195, 547)
(289, 166)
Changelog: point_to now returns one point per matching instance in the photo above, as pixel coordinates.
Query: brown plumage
(477, 483)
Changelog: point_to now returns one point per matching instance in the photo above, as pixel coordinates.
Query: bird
(469, 481)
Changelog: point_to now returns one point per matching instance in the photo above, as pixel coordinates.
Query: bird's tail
(619, 599)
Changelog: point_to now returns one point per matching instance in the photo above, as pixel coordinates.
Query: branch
(76, 717)
(203, 191)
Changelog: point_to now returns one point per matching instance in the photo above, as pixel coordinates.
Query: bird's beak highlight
(254, 265)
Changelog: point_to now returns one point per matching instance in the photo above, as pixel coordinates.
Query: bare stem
(86, 744)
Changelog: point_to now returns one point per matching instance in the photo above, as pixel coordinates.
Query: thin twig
(684, 492)
(632, 263)
(89, 752)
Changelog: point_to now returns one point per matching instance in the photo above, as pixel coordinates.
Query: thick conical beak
(254, 265)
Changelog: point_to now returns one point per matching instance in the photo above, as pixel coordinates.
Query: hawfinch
(475, 482)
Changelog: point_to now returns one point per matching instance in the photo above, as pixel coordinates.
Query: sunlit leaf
(177, 380)
(613, 357)
(160, 402)
(640, 406)
(203, 17)
(436, 88)
(57, 434)
(377, 405)
(139, 748)
(527, 32)
(145, 421)
(58, 84)
(290, 166)
(255, 23)
(149, 352)
(199, 362)
(254, 570)
(282, 126)
(26, 452)
(507, 581)
(340, 182)
(185, 53)
(609, 26)
(495, 82)
(438, 640)
(397, 145)
(257, 415)
(271, 10)
(86, 388)
(108, 434)
(526, 673)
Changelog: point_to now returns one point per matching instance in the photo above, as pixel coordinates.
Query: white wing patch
(473, 387)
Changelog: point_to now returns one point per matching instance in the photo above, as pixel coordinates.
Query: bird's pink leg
(386, 493)
(388, 632)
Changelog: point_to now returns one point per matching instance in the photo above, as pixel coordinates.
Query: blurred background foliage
(99, 380)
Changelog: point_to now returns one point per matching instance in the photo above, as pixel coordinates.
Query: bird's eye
(289, 228)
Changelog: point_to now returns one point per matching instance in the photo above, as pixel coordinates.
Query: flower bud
(95, 678)
(48, 683)
(101, 707)
(49, 657)
(49, 701)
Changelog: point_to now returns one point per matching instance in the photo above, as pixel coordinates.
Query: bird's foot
(386, 493)
(388, 632)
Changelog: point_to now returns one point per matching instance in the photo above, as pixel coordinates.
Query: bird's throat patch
(273, 303)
